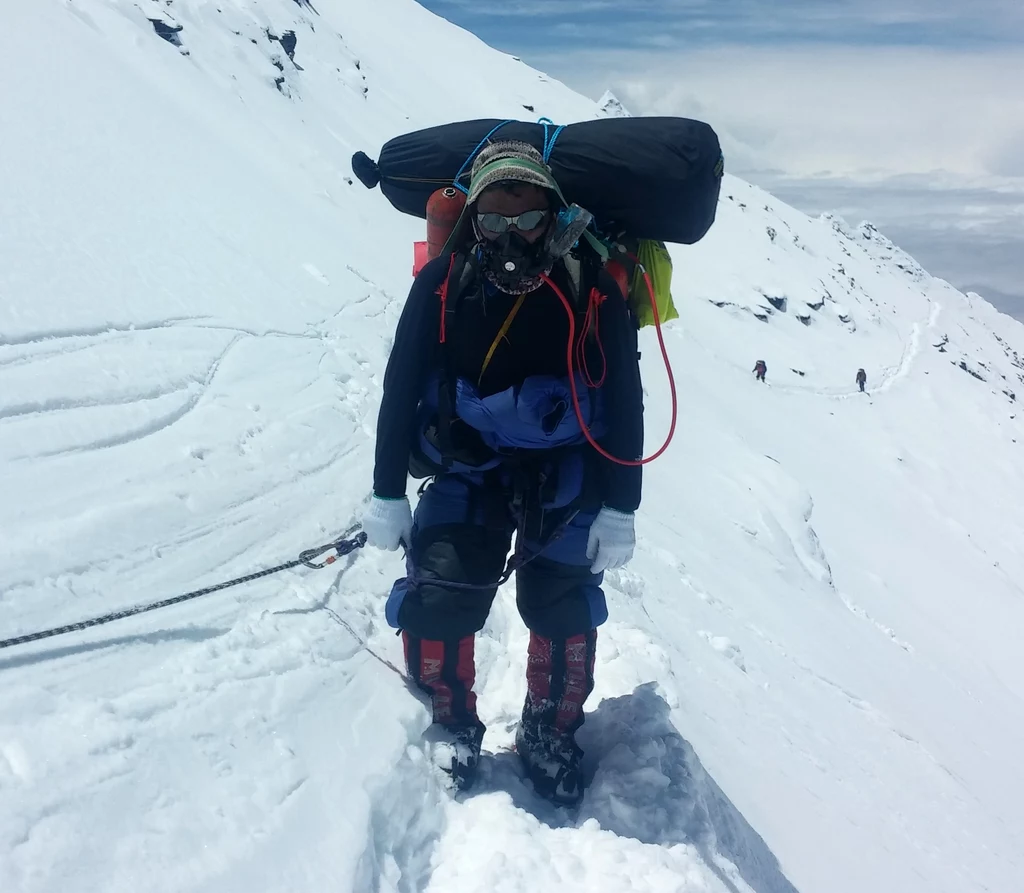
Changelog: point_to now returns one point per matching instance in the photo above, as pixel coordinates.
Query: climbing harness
(519, 559)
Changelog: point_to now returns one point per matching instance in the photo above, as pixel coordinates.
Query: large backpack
(651, 178)
(646, 181)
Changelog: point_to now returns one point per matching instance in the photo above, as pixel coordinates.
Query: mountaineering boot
(446, 671)
(559, 677)
(551, 760)
(455, 750)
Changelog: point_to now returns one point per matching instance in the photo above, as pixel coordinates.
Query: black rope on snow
(341, 547)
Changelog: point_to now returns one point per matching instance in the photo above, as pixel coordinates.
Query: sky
(908, 114)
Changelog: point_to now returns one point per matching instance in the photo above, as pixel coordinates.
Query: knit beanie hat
(505, 160)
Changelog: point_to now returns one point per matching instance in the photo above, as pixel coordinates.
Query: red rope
(590, 322)
(442, 293)
(572, 376)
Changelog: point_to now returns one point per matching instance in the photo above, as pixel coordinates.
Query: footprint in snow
(628, 583)
(316, 274)
(14, 762)
(724, 647)
(704, 596)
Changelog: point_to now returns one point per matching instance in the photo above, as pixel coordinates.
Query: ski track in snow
(54, 337)
(192, 389)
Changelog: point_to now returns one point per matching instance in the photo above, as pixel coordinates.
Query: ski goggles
(499, 223)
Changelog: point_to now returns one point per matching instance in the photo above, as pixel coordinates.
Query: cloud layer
(810, 109)
(926, 143)
(907, 113)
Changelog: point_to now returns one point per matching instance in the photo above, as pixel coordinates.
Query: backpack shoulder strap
(461, 274)
(574, 269)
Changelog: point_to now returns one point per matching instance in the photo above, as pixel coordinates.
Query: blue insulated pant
(462, 533)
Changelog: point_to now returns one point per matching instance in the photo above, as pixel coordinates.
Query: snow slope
(812, 677)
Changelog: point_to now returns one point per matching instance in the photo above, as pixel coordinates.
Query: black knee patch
(457, 553)
(553, 599)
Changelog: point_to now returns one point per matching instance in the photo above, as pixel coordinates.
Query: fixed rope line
(340, 548)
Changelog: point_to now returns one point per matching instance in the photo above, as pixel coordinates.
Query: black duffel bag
(654, 178)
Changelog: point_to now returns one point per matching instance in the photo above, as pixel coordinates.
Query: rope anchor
(341, 548)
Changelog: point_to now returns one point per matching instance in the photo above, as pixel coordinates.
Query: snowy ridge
(610, 106)
(811, 678)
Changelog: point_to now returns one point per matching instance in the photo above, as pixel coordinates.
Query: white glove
(388, 523)
(611, 540)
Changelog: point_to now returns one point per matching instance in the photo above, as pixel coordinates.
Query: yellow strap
(502, 332)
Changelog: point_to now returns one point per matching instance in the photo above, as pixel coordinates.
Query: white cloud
(927, 144)
(844, 110)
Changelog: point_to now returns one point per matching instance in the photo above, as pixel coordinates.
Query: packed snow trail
(648, 819)
(812, 668)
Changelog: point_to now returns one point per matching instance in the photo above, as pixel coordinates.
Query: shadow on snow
(647, 783)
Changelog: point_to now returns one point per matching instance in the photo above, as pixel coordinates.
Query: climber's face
(513, 207)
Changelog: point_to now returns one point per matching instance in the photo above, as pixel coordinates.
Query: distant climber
(760, 370)
(862, 379)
